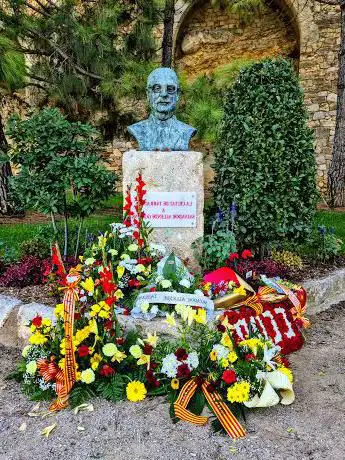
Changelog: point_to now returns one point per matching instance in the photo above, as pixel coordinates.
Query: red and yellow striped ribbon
(220, 409)
(255, 301)
(69, 372)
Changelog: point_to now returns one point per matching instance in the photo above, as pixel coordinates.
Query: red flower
(221, 328)
(108, 325)
(153, 289)
(181, 354)
(285, 361)
(246, 254)
(126, 312)
(148, 349)
(183, 371)
(249, 357)
(120, 340)
(37, 321)
(134, 283)
(145, 260)
(110, 301)
(153, 365)
(233, 256)
(107, 370)
(108, 287)
(83, 350)
(229, 376)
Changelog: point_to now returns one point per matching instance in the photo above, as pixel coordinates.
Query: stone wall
(306, 31)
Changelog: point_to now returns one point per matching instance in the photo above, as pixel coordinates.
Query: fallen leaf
(82, 407)
(34, 414)
(80, 428)
(233, 450)
(290, 429)
(22, 427)
(322, 374)
(48, 429)
(36, 407)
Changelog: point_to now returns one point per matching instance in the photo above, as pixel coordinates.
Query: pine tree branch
(66, 56)
(33, 8)
(329, 2)
(44, 7)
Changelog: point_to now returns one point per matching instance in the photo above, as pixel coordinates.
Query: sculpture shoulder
(183, 127)
(139, 127)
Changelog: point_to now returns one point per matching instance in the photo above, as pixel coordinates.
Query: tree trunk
(336, 174)
(5, 173)
(168, 33)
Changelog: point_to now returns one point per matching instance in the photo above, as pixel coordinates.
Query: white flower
(132, 247)
(222, 352)
(113, 252)
(199, 292)
(158, 248)
(154, 309)
(170, 365)
(192, 360)
(185, 283)
(165, 284)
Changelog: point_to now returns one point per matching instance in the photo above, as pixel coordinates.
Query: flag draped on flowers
(64, 386)
(229, 422)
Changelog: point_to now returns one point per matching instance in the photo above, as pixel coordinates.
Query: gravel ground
(312, 428)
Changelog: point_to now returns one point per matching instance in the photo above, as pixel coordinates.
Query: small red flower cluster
(245, 254)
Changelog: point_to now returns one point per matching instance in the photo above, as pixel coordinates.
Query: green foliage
(202, 103)
(12, 66)
(265, 158)
(246, 10)
(37, 247)
(60, 167)
(113, 388)
(83, 52)
(80, 394)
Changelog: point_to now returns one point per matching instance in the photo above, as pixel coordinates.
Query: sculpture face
(163, 92)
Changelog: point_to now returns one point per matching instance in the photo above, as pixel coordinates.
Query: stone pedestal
(170, 172)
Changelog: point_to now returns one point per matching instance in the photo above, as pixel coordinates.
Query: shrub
(288, 259)
(28, 271)
(37, 247)
(265, 158)
(267, 266)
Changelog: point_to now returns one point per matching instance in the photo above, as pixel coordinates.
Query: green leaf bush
(265, 160)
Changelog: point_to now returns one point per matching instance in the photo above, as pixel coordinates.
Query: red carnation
(181, 354)
(120, 340)
(233, 256)
(134, 283)
(183, 371)
(221, 328)
(83, 350)
(229, 376)
(246, 254)
(249, 357)
(126, 312)
(37, 321)
(108, 325)
(148, 349)
(110, 301)
(77, 315)
(153, 289)
(107, 370)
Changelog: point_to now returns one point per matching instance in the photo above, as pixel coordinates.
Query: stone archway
(209, 37)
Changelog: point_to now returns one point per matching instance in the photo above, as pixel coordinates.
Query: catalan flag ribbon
(229, 422)
(69, 373)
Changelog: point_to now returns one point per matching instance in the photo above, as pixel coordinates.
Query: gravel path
(312, 428)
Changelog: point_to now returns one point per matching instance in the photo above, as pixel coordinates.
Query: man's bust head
(163, 92)
(162, 131)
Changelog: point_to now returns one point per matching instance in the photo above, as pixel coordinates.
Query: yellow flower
(252, 344)
(46, 322)
(224, 363)
(152, 339)
(232, 356)
(207, 286)
(88, 284)
(170, 319)
(120, 271)
(136, 391)
(175, 384)
(38, 339)
(132, 247)
(92, 327)
(240, 290)
(140, 268)
(239, 392)
(102, 241)
(144, 359)
(59, 309)
(81, 335)
(200, 316)
(95, 360)
(119, 356)
(213, 355)
(286, 371)
(135, 351)
(32, 328)
(78, 376)
(104, 314)
(226, 341)
(31, 367)
(96, 308)
(119, 294)
(109, 349)
(62, 363)
(26, 351)
(87, 376)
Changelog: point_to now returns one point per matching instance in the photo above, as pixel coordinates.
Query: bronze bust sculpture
(162, 130)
